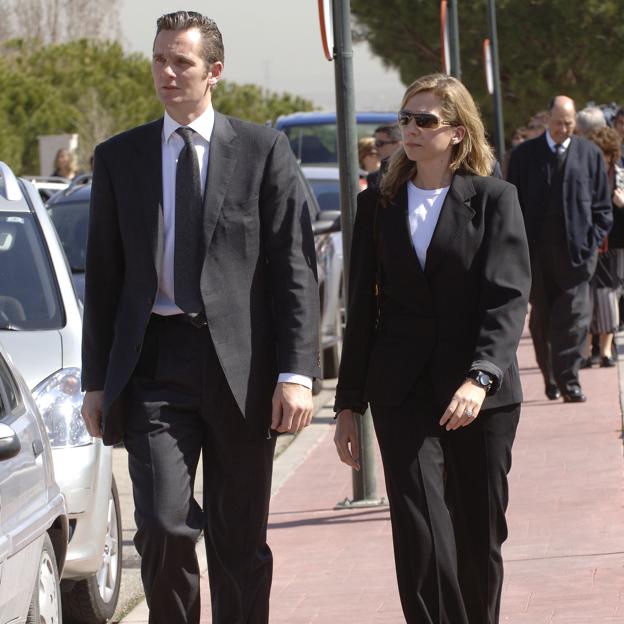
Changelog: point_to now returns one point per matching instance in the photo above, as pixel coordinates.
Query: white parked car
(40, 327)
(325, 184)
(47, 186)
(33, 520)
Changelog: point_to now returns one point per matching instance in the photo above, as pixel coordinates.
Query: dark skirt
(606, 287)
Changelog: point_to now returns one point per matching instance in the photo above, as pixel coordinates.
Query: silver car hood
(37, 354)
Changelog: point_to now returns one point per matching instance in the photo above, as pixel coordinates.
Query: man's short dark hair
(212, 42)
(618, 113)
(391, 130)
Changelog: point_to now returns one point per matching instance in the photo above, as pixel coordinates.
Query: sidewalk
(565, 554)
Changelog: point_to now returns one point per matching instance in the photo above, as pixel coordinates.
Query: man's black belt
(196, 320)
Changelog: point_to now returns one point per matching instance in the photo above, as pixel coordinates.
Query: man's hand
(92, 412)
(346, 439)
(292, 407)
(464, 406)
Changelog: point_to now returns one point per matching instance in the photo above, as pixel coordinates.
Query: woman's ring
(468, 413)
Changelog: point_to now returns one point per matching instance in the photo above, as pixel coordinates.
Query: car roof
(73, 193)
(320, 172)
(325, 117)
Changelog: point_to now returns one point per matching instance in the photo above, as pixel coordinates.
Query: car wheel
(45, 606)
(93, 600)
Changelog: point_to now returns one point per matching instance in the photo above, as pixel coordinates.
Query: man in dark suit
(565, 199)
(200, 327)
(387, 141)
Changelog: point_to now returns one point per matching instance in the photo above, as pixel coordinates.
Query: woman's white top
(424, 206)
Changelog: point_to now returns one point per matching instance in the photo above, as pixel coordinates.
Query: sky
(275, 44)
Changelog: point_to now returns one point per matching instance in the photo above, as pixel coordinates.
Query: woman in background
(65, 164)
(434, 352)
(606, 284)
(368, 155)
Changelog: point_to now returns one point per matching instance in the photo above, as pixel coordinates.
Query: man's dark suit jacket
(465, 311)
(258, 280)
(586, 195)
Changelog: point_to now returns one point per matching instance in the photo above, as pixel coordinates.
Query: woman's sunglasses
(428, 121)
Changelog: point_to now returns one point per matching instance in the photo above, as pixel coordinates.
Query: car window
(327, 193)
(29, 297)
(71, 220)
(8, 390)
(313, 144)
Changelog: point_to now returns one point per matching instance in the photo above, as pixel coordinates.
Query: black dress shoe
(552, 392)
(606, 362)
(575, 395)
(586, 363)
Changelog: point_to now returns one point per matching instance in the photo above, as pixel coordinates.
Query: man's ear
(214, 73)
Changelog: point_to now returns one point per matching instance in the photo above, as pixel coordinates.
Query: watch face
(484, 379)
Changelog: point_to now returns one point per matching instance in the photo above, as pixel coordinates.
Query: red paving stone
(565, 553)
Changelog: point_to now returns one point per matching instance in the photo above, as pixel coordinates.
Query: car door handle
(37, 447)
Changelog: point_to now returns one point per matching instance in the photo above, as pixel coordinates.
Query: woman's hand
(346, 439)
(464, 406)
(618, 197)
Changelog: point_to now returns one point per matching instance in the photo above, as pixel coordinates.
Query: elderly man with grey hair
(566, 201)
(589, 119)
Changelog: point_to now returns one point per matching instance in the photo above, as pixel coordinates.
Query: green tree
(546, 47)
(95, 89)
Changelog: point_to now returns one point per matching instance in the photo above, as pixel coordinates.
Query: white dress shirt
(171, 146)
(553, 146)
(423, 206)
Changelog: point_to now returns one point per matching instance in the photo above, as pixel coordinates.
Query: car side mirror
(10, 445)
(328, 221)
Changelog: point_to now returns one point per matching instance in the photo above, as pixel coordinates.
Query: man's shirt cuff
(302, 380)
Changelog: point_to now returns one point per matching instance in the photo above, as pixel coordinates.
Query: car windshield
(71, 220)
(327, 193)
(29, 296)
(314, 144)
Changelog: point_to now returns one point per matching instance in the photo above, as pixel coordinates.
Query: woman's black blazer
(464, 311)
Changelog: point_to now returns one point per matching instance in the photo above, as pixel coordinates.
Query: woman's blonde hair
(472, 154)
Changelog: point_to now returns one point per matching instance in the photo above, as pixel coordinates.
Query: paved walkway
(565, 554)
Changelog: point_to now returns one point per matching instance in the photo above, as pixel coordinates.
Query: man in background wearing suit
(387, 141)
(200, 327)
(565, 199)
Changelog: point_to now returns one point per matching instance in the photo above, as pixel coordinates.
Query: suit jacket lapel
(221, 160)
(396, 228)
(149, 179)
(456, 213)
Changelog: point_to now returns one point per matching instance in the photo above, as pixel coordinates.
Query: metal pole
(364, 482)
(453, 21)
(499, 132)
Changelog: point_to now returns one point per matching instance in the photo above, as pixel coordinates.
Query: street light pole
(364, 481)
(453, 21)
(499, 132)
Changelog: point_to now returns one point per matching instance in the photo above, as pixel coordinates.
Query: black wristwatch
(483, 379)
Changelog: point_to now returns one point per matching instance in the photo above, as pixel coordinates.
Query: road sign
(487, 64)
(327, 28)
(444, 38)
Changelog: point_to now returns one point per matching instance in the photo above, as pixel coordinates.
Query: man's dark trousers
(179, 404)
(560, 307)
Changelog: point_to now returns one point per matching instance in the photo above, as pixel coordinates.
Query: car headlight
(59, 400)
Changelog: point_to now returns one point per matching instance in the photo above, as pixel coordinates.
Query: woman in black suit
(434, 352)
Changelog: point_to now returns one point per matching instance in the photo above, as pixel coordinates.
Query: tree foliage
(546, 47)
(59, 21)
(96, 90)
